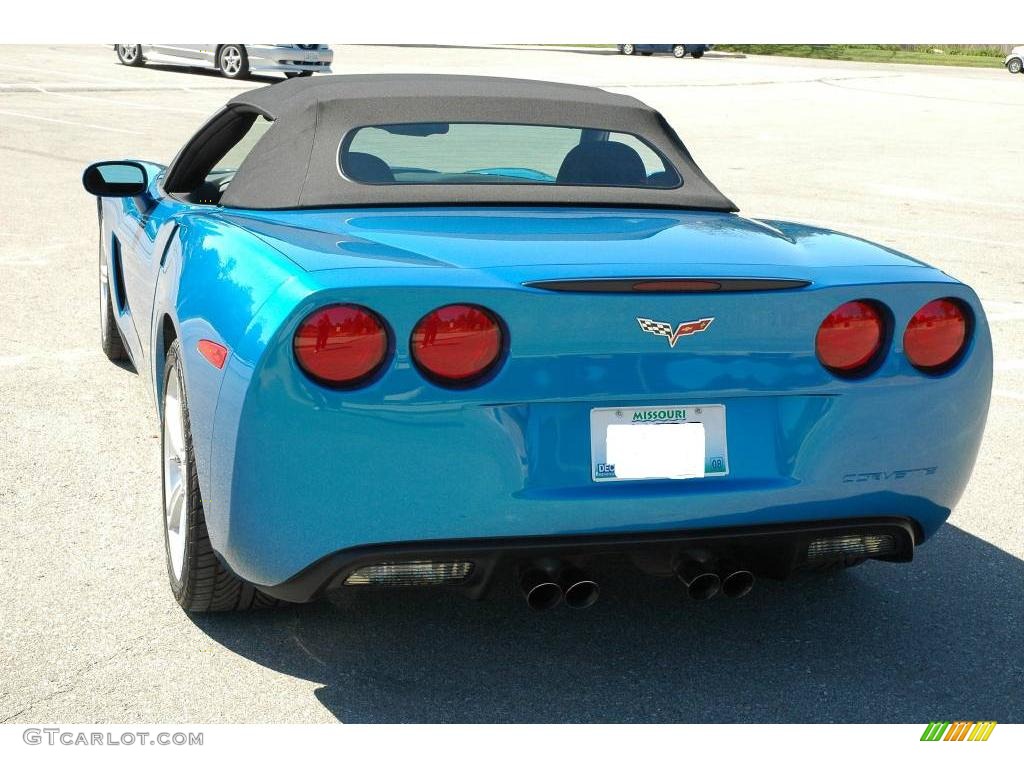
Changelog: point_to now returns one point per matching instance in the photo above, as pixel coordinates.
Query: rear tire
(198, 580)
(130, 54)
(232, 61)
(1015, 66)
(679, 51)
(110, 337)
(628, 49)
(697, 54)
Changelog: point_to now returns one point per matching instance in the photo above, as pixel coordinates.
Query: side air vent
(120, 296)
(669, 285)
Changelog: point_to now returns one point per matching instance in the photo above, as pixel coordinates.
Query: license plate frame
(711, 415)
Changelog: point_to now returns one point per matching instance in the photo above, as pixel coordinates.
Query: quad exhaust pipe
(544, 585)
(701, 582)
(704, 579)
(579, 589)
(540, 589)
(737, 583)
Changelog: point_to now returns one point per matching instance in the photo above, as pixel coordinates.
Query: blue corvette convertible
(408, 330)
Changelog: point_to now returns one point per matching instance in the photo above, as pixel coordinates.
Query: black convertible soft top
(295, 164)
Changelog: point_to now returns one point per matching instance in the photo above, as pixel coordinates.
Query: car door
(187, 53)
(140, 234)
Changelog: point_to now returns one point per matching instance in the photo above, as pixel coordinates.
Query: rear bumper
(768, 550)
(506, 472)
(277, 59)
(299, 472)
(288, 66)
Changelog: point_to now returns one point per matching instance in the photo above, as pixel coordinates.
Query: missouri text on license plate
(671, 442)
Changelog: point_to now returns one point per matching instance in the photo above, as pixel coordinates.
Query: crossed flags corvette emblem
(659, 328)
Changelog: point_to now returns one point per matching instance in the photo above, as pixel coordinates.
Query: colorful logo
(958, 731)
(659, 328)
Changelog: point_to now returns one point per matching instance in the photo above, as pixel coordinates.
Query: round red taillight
(850, 339)
(458, 344)
(936, 335)
(342, 345)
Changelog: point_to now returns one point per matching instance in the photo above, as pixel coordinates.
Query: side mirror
(115, 178)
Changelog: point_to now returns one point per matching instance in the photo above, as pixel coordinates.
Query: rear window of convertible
(501, 153)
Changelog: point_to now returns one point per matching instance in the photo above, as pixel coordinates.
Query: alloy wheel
(175, 480)
(230, 60)
(129, 53)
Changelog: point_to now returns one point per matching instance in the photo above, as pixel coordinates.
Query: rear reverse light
(457, 345)
(849, 340)
(342, 345)
(851, 546)
(936, 335)
(411, 573)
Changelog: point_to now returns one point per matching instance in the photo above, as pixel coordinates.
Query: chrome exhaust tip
(540, 590)
(738, 583)
(579, 590)
(701, 582)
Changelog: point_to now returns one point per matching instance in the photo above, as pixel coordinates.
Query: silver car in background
(1015, 61)
(233, 60)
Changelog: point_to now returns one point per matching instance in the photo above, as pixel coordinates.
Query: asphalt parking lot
(927, 160)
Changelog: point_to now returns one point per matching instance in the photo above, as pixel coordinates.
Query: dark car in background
(679, 50)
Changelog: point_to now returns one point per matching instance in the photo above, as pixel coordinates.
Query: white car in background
(233, 60)
(1015, 61)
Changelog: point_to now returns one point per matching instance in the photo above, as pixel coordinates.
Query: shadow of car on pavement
(939, 638)
(206, 72)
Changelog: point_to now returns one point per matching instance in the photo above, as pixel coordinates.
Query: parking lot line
(51, 72)
(136, 105)
(27, 116)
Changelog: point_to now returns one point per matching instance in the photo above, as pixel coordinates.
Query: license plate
(666, 442)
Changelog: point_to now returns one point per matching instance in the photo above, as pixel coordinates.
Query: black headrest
(602, 162)
(663, 179)
(361, 166)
